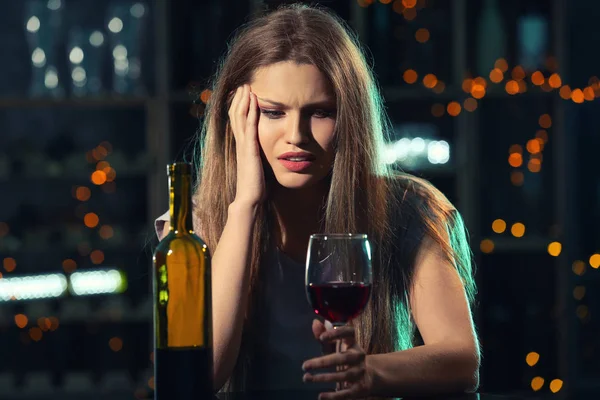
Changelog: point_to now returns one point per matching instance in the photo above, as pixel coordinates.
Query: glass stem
(338, 349)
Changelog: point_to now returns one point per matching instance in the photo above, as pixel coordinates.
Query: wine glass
(338, 276)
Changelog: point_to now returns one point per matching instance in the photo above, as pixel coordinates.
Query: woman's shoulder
(418, 192)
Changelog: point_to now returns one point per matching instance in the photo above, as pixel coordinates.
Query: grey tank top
(285, 339)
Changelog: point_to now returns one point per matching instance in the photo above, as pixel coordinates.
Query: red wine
(183, 373)
(338, 301)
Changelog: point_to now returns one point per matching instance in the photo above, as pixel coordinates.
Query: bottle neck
(180, 203)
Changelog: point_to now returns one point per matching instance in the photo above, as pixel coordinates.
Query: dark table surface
(313, 395)
(296, 395)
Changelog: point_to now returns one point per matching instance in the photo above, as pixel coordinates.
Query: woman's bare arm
(449, 359)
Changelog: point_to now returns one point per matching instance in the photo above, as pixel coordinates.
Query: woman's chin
(295, 181)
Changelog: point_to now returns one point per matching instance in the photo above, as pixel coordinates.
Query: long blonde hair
(399, 207)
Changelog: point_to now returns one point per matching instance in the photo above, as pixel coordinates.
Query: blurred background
(491, 100)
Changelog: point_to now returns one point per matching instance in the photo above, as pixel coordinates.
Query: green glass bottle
(182, 301)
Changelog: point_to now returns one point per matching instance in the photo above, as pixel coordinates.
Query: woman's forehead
(292, 84)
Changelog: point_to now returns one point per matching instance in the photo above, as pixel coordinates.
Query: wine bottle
(182, 301)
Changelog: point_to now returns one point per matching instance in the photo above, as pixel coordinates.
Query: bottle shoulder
(179, 240)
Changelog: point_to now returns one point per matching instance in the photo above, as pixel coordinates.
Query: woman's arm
(230, 287)
(449, 359)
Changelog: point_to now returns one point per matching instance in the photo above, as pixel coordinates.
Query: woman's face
(296, 115)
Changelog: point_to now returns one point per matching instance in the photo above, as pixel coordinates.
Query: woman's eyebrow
(321, 103)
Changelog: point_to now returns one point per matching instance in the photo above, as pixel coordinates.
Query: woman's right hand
(243, 119)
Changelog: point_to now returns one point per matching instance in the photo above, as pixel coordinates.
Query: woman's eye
(322, 114)
(271, 113)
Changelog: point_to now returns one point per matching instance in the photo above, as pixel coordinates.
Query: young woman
(291, 146)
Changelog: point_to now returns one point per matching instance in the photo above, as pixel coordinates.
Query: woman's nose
(298, 130)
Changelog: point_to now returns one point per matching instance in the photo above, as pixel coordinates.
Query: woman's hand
(352, 373)
(243, 119)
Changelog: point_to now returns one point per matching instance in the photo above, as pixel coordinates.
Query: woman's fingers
(252, 120)
(242, 110)
(318, 328)
(232, 112)
(343, 332)
(243, 114)
(353, 392)
(350, 375)
(350, 357)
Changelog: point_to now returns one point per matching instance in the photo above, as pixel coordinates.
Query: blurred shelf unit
(85, 102)
(527, 244)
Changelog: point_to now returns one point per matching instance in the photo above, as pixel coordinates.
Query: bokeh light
(595, 261)
(422, 35)
(554, 249)
(515, 160)
(578, 267)
(556, 385)
(410, 76)
(579, 293)
(537, 383)
(35, 333)
(501, 64)
(21, 320)
(555, 81)
(499, 226)
(486, 246)
(429, 81)
(496, 75)
(115, 344)
(532, 358)
(438, 110)
(512, 87)
(517, 178)
(565, 92)
(69, 265)
(545, 121)
(577, 96)
(106, 232)
(98, 177)
(9, 264)
(518, 229)
(453, 108)
(91, 220)
(83, 193)
(470, 104)
(97, 257)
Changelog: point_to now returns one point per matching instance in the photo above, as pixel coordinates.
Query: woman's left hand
(352, 374)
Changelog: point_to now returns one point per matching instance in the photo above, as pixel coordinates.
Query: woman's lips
(296, 166)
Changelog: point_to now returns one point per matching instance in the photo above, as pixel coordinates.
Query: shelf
(432, 170)
(107, 101)
(71, 177)
(418, 92)
(58, 252)
(181, 96)
(506, 244)
(497, 91)
(88, 394)
(390, 93)
(104, 308)
(494, 91)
